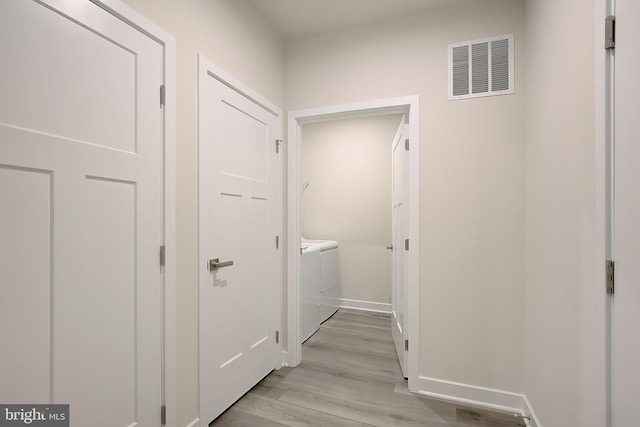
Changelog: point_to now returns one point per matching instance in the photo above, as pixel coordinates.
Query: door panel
(81, 160)
(101, 238)
(25, 292)
(399, 218)
(237, 222)
(99, 114)
(626, 236)
(246, 156)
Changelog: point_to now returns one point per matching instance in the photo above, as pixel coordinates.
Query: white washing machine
(329, 297)
(310, 265)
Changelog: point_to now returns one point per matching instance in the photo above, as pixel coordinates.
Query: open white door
(81, 188)
(400, 220)
(626, 217)
(238, 224)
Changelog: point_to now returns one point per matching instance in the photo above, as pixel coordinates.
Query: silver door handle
(390, 247)
(215, 264)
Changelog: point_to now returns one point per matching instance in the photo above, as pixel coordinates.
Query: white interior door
(81, 223)
(238, 222)
(626, 235)
(399, 218)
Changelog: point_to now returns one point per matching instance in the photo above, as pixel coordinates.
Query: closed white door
(238, 223)
(399, 218)
(626, 217)
(81, 194)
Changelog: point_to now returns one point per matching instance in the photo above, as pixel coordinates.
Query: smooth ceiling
(299, 18)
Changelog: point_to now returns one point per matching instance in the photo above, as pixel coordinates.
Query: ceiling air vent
(481, 68)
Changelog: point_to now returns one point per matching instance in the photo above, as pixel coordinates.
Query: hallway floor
(350, 376)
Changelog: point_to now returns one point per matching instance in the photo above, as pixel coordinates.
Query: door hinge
(278, 142)
(277, 337)
(163, 415)
(611, 277)
(277, 242)
(406, 244)
(406, 345)
(406, 145)
(610, 32)
(162, 255)
(162, 95)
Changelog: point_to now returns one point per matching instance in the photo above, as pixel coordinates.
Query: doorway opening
(405, 105)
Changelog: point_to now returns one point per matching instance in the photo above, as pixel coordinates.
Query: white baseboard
(194, 423)
(364, 305)
(478, 396)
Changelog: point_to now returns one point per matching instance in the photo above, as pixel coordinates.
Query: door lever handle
(215, 264)
(390, 247)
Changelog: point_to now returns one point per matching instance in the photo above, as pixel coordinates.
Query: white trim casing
(406, 104)
(144, 25)
(604, 68)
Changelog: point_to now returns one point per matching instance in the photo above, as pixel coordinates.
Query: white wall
(564, 363)
(472, 177)
(508, 299)
(348, 165)
(229, 33)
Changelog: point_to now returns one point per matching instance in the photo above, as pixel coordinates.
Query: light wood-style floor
(350, 376)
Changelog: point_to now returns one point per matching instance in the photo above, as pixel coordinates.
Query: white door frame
(296, 119)
(604, 133)
(605, 119)
(125, 13)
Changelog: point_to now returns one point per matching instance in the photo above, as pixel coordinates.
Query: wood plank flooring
(350, 376)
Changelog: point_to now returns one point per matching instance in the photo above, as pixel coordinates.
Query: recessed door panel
(257, 256)
(245, 156)
(97, 310)
(59, 63)
(25, 275)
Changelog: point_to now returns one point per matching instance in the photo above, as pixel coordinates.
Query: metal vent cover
(481, 67)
